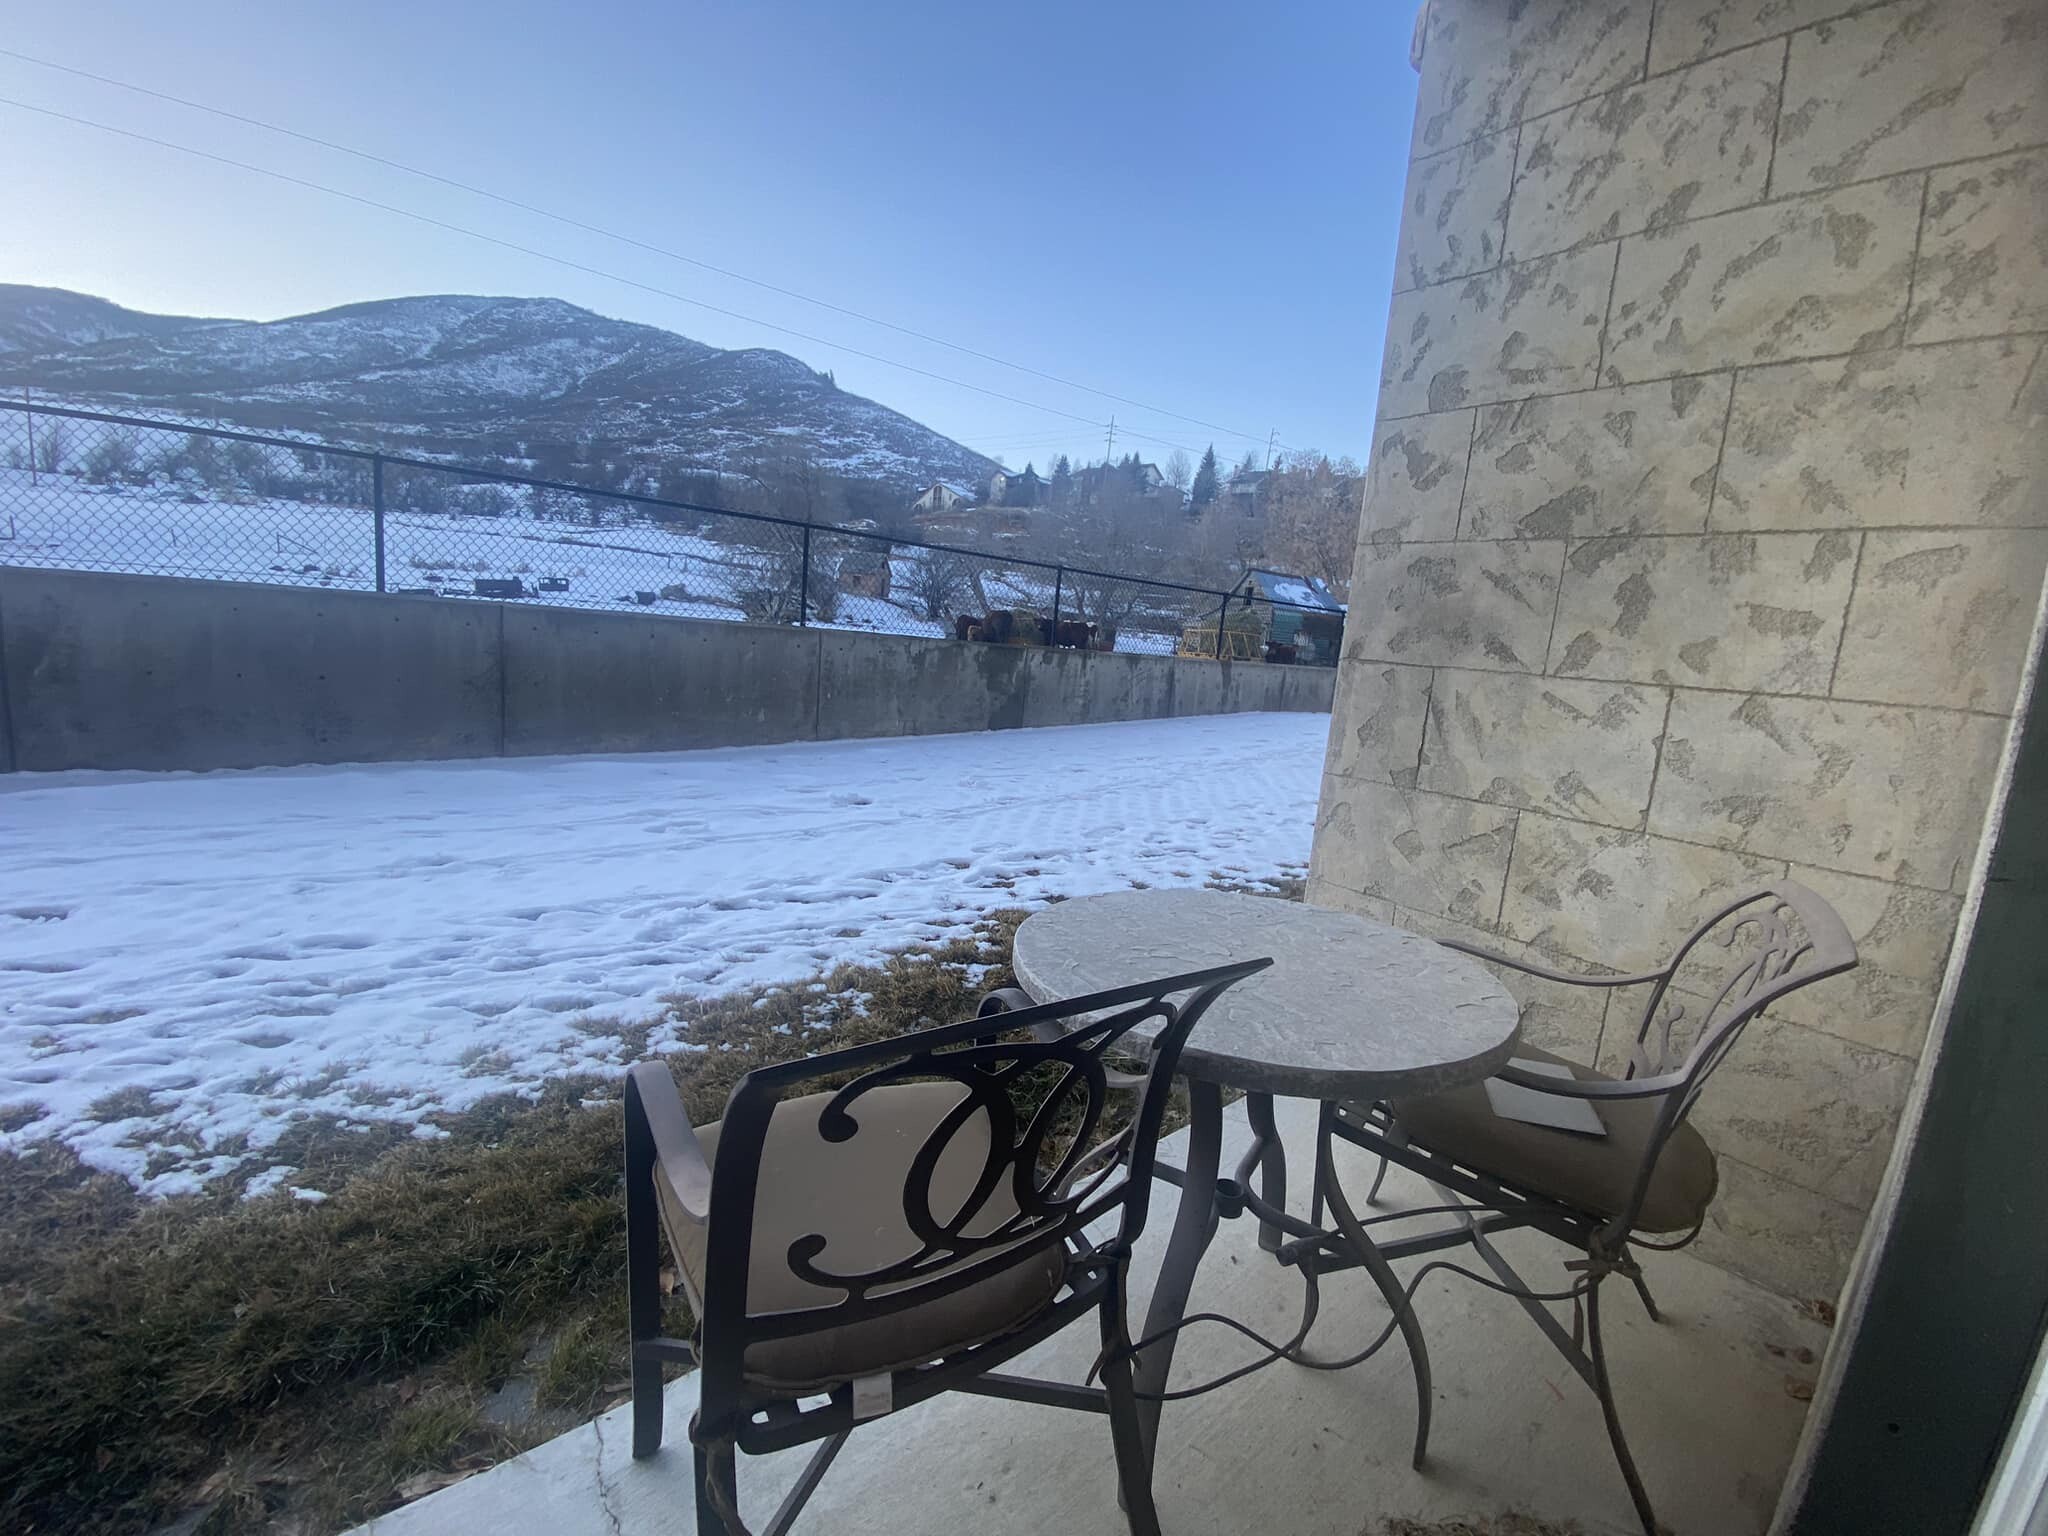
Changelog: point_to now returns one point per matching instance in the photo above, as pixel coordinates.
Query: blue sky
(1191, 205)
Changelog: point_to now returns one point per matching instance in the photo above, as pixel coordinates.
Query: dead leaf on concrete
(420, 1484)
(1798, 1390)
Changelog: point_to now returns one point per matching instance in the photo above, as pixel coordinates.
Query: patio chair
(1650, 1173)
(872, 1226)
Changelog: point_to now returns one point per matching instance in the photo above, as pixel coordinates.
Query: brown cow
(1284, 654)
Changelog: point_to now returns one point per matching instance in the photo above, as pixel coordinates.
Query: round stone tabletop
(1350, 1009)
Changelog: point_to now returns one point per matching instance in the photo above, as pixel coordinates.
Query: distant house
(1016, 488)
(865, 573)
(1245, 491)
(1299, 611)
(1092, 481)
(940, 497)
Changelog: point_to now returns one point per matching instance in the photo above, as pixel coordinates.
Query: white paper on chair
(1511, 1101)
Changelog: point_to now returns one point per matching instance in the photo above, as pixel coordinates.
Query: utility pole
(1272, 442)
(1109, 445)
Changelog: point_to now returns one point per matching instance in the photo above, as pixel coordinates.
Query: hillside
(468, 376)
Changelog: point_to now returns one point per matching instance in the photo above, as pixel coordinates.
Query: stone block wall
(1707, 518)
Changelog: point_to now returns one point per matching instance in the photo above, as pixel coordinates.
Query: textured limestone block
(1943, 617)
(1618, 899)
(1478, 605)
(1903, 86)
(1321, 893)
(1676, 147)
(1952, 435)
(1902, 935)
(1692, 29)
(1526, 328)
(1554, 1016)
(1815, 1111)
(1777, 1234)
(1455, 211)
(1423, 851)
(1577, 749)
(1487, 67)
(1872, 789)
(1750, 610)
(1376, 724)
(1635, 460)
(1983, 267)
(1416, 479)
(1803, 278)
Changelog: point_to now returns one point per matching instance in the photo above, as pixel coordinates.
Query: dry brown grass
(287, 1366)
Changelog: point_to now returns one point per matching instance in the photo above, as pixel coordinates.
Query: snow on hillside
(475, 375)
(190, 959)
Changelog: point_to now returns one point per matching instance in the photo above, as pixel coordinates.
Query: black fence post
(1059, 575)
(377, 514)
(803, 590)
(1222, 613)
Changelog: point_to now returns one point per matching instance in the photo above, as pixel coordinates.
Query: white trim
(2017, 1504)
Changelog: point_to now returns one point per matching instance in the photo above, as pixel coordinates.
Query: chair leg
(1390, 1287)
(1649, 1301)
(643, 1281)
(717, 1478)
(1372, 1196)
(1133, 1465)
(1604, 1386)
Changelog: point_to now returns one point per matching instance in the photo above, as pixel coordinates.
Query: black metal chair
(1651, 1173)
(872, 1226)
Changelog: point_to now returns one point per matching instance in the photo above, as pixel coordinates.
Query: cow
(1073, 634)
(1283, 654)
(998, 627)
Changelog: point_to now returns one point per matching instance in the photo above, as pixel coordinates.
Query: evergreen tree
(1204, 489)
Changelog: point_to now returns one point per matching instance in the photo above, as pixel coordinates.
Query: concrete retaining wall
(114, 671)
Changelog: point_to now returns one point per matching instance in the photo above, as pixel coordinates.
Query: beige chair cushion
(852, 1192)
(1594, 1174)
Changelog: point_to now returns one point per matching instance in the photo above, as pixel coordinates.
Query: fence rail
(91, 490)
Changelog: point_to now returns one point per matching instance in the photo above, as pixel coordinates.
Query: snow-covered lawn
(187, 959)
(68, 522)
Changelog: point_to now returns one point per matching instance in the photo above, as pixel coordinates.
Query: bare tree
(113, 457)
(1180, 471)
(1311, 521)
(53, 446)
(940, 582)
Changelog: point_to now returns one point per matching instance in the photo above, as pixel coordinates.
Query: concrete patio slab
(1707, 1396)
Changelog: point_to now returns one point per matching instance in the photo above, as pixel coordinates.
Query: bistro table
(1349, 1010)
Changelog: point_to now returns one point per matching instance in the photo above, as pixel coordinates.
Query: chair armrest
(1572, 1088)
(1529, 968)
(1015, 1000)
(678, 1159)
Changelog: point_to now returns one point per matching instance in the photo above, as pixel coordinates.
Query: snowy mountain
(467, 377)
(51, 319)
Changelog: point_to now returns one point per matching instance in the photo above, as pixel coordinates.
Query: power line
(610, 234)
(564, 261)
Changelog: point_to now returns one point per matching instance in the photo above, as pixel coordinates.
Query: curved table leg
(1258, 1108)
(1390, 1287)
(1194, 1224)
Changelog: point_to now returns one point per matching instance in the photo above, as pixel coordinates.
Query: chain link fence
(88, 491)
